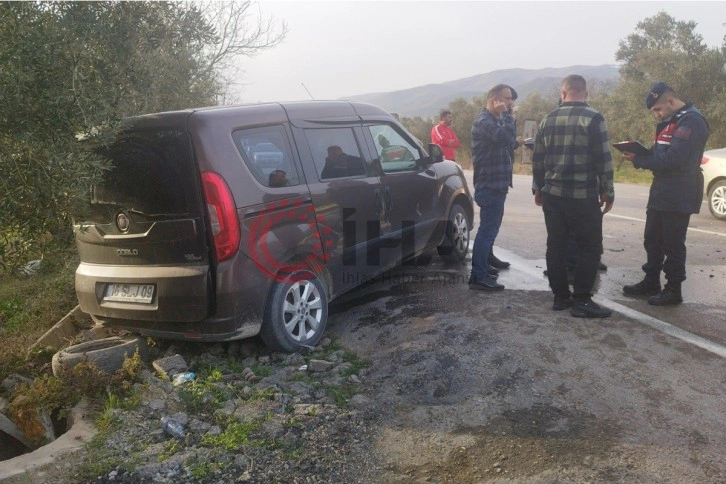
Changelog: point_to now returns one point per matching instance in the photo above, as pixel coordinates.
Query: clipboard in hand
(632, 147)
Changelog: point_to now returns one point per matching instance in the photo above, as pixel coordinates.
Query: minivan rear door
(142, 244)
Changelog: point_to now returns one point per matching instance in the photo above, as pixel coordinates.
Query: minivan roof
(294, 109)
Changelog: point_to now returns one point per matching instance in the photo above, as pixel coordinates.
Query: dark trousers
(571, 253)
(665, 245)
(580, 219)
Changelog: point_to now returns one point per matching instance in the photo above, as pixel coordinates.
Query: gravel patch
(248, 415)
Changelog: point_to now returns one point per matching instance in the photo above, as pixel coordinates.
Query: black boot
(497, 263)
(646, 287)
(669, 296)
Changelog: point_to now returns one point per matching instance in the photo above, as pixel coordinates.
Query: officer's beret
(656, 91)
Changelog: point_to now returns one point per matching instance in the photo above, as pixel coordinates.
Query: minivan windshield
(153, 173)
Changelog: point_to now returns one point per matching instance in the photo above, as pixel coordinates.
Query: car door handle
(389, 203)
(379, 202)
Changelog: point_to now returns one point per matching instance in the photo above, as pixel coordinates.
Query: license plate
(138, 293)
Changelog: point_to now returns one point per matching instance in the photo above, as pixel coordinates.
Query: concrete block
(64, 331)
(170, 365)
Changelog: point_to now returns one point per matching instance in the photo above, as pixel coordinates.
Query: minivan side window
(394, 151)
(266, 152)
(335, 152)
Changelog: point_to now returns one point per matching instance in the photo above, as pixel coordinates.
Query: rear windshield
(153, 173)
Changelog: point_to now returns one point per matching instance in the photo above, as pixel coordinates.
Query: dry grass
(624, 172)
(30, 306)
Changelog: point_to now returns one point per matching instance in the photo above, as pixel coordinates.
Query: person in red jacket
(444, 136)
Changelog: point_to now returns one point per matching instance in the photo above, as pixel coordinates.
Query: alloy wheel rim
(303, 310)
(461, 232)
(718, 201)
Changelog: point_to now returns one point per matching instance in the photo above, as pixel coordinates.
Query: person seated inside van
(393, 152)
(278, 178)
(339, 164)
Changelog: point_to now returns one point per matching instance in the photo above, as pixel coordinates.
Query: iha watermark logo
(280, 222)
(283, 219)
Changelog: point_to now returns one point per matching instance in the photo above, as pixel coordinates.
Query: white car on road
(714, 181)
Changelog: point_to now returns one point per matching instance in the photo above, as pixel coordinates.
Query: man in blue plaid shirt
(493, 141)
(573, 178)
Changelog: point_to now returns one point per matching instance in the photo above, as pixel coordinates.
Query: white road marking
(664, 327)
(691, 229)
(625, 218)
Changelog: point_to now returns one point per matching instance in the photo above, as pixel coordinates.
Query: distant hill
(428, 100)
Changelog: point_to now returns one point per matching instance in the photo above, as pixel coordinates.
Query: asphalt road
(704, 312)
(474, 386)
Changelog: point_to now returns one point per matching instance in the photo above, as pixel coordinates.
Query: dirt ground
(474, 387)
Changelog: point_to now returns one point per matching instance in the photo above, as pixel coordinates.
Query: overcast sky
(343, 48)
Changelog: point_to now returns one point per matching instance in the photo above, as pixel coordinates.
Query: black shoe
(602, 267)
(493, 271)
(485, 283)
(562, 302)
(643, 288)
(667, 297)
(496, 263)
(587, 308)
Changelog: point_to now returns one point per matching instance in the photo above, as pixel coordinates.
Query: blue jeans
(491, 211)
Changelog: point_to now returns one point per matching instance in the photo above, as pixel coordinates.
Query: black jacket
(676, 162)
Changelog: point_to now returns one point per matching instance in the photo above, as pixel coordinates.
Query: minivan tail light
(704, 160)
(222, 215)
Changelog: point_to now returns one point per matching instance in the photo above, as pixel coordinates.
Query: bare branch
(241, 31)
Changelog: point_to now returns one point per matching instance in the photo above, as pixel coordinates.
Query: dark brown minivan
(221, 223)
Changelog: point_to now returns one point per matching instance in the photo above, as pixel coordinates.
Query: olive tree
(665, 49)
(419, 127)
(72, 70)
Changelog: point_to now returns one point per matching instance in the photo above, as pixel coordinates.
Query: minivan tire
(717, 200)
(455, 246)
(296, 313)
(106, 354)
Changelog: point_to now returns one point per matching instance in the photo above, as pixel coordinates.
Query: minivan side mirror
(435, 155)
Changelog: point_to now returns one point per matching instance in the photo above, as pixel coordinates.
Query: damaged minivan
(223, 223)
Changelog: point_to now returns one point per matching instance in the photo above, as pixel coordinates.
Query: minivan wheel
(296, 313)
(717, 200)
(455, 246)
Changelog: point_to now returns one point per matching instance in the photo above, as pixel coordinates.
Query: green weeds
(13, 314)
(206, 393)
(172, 447)
(236, 435)
(107, 419)
(342, 393)
(200, 470)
